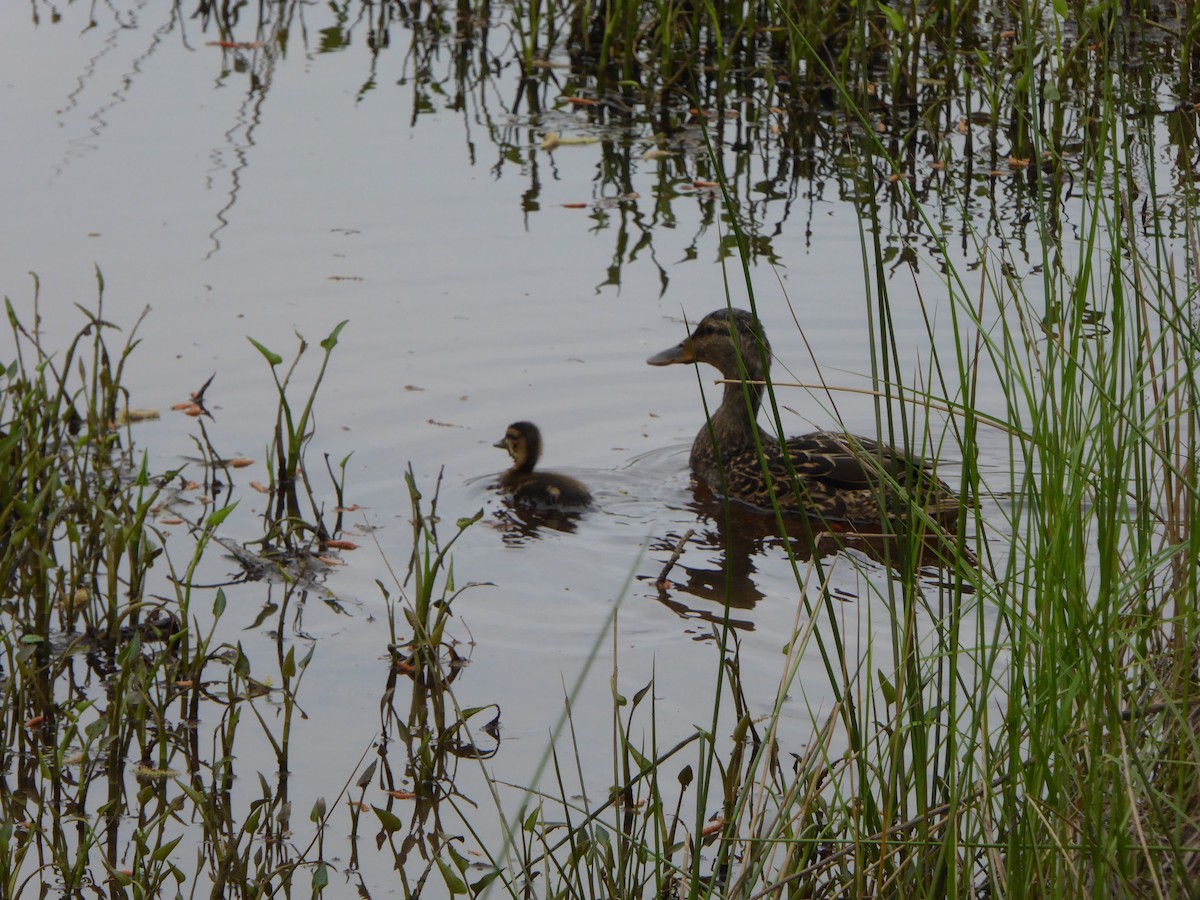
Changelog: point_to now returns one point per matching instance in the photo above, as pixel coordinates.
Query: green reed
(1035, 737)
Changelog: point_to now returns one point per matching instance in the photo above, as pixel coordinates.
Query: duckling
(523, 442)
(839, 477)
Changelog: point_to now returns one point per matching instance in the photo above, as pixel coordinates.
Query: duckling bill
(523, 441)
(837, 476)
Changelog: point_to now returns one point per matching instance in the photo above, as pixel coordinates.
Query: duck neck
(733, 422)
(523, 465)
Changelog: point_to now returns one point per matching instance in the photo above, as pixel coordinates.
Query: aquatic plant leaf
(478, 886)
(164, 851)
(453, 883)
(894, 18)
(330, 342)
(289, 663)
(468, 521)
(460, 862)
(272, 358)
(637, 698)
(251, 824)
(220, 515)
(320, 878)
(887, 689)
(389, 820)
(642, 763)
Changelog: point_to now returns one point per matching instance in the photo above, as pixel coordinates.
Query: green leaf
(478, 886)
(453, 882)
(320, 878)
(164, 851)
(251, 824)
(221, 515)
(642, 762)
(460, 862)
(219, 604)
(389, 820)
(887, 688)
(467, 522)
(637, 698)
(330, 342)
(894, 18)
(271, 356)
(195, 796)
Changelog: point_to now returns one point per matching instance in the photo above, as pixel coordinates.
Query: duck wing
(851, 463)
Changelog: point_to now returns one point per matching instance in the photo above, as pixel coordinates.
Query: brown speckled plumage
(523, 442)
(840, 477)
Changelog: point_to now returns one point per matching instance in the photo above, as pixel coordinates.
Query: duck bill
(680, 353)
(500, 445)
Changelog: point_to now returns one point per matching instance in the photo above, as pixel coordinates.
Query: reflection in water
(736, 534)
(519, 523)
(98, 118)
(945, 150)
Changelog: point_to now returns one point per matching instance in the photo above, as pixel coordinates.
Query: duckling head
(719, 339)
(523, 442)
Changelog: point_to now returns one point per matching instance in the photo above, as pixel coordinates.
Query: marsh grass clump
(422, 717)
(287, 528)
(111, 655)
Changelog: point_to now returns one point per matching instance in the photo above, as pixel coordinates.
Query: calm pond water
(263, 192)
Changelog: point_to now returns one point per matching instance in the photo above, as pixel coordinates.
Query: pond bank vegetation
(1029, 726)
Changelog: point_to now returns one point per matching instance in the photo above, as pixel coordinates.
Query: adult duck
(838, 477)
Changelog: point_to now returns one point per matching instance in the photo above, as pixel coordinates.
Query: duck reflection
(736, 534)
(520, 523)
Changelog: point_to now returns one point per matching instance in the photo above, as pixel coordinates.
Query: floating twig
(661, 582)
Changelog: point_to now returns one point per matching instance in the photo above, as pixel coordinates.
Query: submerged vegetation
(1024, 727)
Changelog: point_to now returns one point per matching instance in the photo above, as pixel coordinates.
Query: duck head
(719, 339)
(523, 442)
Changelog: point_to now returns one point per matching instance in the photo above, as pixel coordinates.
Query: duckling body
(523, 442)
(838, 476)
